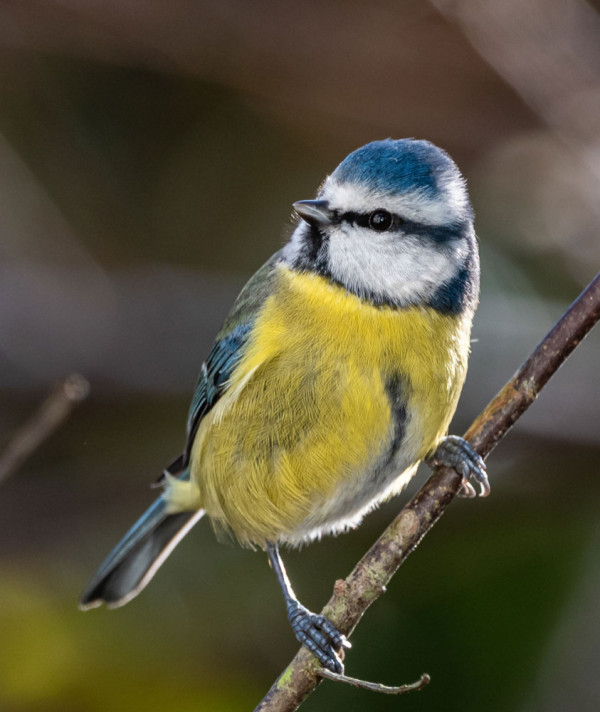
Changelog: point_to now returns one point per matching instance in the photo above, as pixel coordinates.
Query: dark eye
(380, 220)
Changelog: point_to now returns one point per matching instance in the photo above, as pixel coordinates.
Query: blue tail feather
(137, 557)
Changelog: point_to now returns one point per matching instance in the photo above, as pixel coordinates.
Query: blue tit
(337, 371)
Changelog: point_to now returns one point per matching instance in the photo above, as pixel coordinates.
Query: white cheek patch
(448, 206)
(402, 269)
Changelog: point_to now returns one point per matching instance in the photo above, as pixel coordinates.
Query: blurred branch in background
(49, 416)
(369, 578)
(549, 53)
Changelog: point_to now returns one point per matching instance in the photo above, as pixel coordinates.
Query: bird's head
(393, 225)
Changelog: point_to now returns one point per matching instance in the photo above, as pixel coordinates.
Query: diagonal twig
(374, 686)
(47, 418)
(367, 581)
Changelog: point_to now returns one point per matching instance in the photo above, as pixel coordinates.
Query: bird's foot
(456, 452)
(319, 635)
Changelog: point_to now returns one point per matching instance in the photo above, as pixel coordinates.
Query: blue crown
(399, 166)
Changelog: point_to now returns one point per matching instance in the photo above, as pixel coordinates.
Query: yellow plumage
(292, 444)
(314, 405)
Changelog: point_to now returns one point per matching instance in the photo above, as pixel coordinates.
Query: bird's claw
(318, 635)
(456, 452)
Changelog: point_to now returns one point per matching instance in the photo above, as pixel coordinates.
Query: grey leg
(315, 632)
(456, 452)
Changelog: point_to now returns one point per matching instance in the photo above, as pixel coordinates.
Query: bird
(336, 373)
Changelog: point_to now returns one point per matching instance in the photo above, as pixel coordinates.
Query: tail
(138, 556)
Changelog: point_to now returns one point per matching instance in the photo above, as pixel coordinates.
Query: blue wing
(212, 381)
(226, 354)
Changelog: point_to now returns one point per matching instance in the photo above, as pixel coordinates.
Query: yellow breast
(306, 416)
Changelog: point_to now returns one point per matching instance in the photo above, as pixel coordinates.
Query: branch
(353, 595)
(48, 417)
(375, 686)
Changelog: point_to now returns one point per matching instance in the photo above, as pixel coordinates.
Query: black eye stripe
(434, 233)
(365, 219)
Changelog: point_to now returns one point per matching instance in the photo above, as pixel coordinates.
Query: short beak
(315, 212)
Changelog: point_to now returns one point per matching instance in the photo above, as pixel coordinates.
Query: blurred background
(149, 156)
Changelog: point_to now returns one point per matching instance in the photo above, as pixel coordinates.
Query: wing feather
(226, 352)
